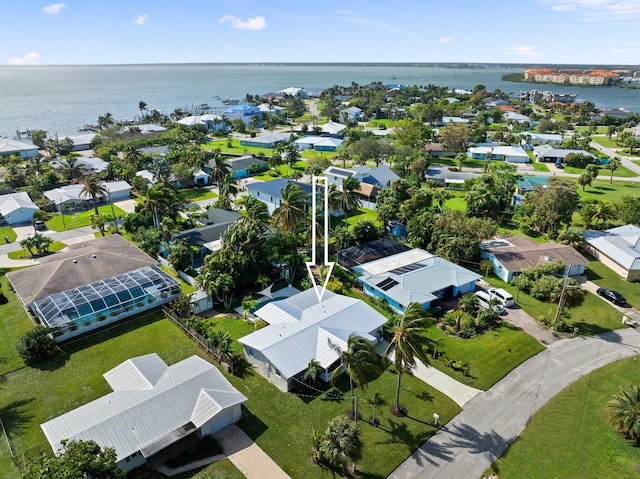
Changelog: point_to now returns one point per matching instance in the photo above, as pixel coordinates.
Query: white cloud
(446, 39)
(344, 12)
(252, 23)
(611, 11)
(371, 23)
(53, 9)
(141, 20)
(522, 50)
(31, 58)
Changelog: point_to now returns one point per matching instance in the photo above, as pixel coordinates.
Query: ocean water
(61, 99)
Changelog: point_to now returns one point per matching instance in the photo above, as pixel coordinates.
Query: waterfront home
(243, 112)
(617, 248)
(510, 255)
(270, 192)
(301, 328)
(510, 154)
(414, 276)
(18, 148)
(17, 207)
(93, 284)
(548, 153)
(267, 140)
(146, 128)
(210, 122)
(294, 91)
(267, 109)
(82, 142)
(353, 113)
(152, 407)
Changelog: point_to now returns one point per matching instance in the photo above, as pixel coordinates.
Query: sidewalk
(6, 262)
(247, 456)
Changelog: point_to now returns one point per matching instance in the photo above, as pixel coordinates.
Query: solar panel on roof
(335, 171)
(406, 268)
(387, 284)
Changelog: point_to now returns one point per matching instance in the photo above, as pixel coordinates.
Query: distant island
(575, 76)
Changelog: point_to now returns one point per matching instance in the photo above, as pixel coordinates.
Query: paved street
(469, 444)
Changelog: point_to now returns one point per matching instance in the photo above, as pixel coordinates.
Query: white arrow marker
(313, 262)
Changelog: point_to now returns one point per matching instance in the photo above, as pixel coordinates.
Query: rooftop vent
(93, 256)
(75, 261)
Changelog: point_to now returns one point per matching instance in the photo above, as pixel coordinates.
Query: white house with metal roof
(511, 154)
(301, 329)
(414, 276)
(151, 407)
(12, 147)
(17, 207)
(618, 248)
(71, 194)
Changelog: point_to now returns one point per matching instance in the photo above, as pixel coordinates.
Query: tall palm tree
(70, 168)
(94, 188)
(350, 196)
(219, 168)
(603, 211)
(358, 359)
(160, 198)
(408, 344)
(624, 411)
(256, 214)
(613, 165)
(227, 187)
(293, 155)
(291, 212)
(274, 161)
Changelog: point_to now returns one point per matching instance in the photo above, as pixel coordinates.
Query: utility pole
(561, 300)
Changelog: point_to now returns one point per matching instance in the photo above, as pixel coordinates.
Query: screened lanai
(106, 300)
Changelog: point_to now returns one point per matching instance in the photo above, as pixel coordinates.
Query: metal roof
(621, 244)
(312, 330)
(187, 395)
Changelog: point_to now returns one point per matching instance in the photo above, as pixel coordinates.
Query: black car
(39, 224)
(611, 295)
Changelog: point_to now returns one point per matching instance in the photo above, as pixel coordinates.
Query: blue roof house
(269, 192)
(244, 112)
(414, 276)
(354, 113)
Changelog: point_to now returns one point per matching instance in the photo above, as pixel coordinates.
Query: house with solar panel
(301, 328)
(414, 276)
(93, 284)
(152, 406)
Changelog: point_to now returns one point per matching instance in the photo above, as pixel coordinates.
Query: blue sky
(180, 31)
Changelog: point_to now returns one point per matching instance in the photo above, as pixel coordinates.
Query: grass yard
(457, 201)
(14, 323)
(196, 194)
(354, 217)
(25, 254)
(491, 355)
(236, 148)
(184, 286)
(570, 436)
(600, 129)
(603, 190)
(604, 141)
(591, 317)
(469, 162)
(620, 172)
(80, 219)
(9, 233)
(606, 278)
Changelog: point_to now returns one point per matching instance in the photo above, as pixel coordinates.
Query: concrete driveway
(475, 438)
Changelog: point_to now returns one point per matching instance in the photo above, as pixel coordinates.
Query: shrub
(36, 345)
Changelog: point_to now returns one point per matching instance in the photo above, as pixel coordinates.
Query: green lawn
(236, 147)
(457, 201)
(378, 123)
(603, 190)
(570, 436)
(14, 323)
(538, 166)
(196, 194)
(186, 287)
(621, 172)
(491, 355)
(606, 278)
(469, 162)
(591, 317)
(24, 254)
(604, 141)
(82, 218)
(354, 217)
(283, 171)
(9, 233)
(600, 129)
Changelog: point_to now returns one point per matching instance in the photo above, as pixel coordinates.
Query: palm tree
(624, 411)
(358, 359)
(228, 187)
(461, 157)
(341, 443)
(441, 197)
(603, 211)
(293, 155)
(160, 198)
(407, 344)
(98, 222)
(256, 216)
(70, 169)
(274, 161)
(468, 302)
(94, 188)
(291, 212)
(160, 169)
(350, 196)
(613, 165)
(248, 303)
(313, 372)
(219, 168)
(373, 402)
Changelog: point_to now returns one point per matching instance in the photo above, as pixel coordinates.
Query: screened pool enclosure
(102, 302)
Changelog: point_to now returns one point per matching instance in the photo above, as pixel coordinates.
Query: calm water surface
(61, 99)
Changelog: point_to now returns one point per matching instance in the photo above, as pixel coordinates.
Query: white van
(503, 296)
(484, 301)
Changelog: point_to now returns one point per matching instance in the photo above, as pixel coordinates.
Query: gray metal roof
(621, 244)
(308, 329)
(146, 419)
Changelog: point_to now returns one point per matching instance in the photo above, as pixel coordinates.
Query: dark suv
(40, 225)
(611, 295)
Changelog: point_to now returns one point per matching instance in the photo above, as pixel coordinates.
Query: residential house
(318, 143)
(200, 178)
(451, 119)
(414, 276)
(82, 142)
(354, 256)
(243, 112)
(548, 153)
(267, 140)
(301, 328)
(206, 239)
(438, 150)
(269, 192)
(72, 196)
(516, 117)
(152, 406)
(18, 148)
(294, 91)
(241, 166)
(267, 109)
(617, 248)
(510, 255)
(452, 180)
(93, 284)
(353, 113)
(17, 207)
(147, 128)
(510, 154)
(381, 176)
(536, 139)
(210, 122)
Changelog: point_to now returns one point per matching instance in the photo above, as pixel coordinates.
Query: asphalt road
(471, 442)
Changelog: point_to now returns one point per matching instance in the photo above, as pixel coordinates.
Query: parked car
(484, 301)
(503, 296)
(611, 295)
(40, 225)
(559, 164)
